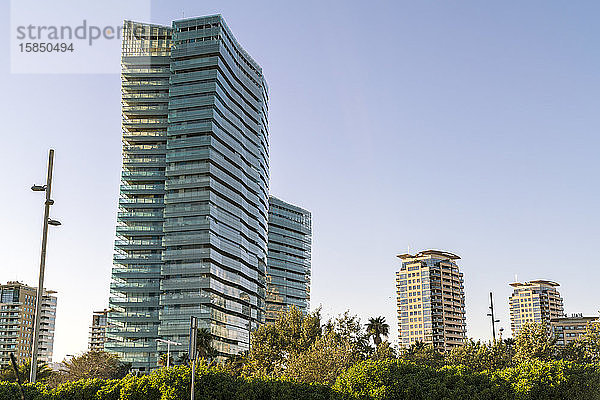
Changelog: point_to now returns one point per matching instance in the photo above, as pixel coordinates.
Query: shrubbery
(212, 383)
(379, 380)
(533, 380)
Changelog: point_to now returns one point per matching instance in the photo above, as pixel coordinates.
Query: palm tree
(377, 328)
(204, 344)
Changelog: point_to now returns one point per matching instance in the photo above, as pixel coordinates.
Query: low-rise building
(568, 329)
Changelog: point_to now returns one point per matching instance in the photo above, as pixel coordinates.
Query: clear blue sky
(470, 127)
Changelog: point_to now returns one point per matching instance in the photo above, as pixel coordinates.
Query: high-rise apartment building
(535, 301)
(192, 222)
(568, 329)
(288, 258)
(17, 316)
(98, 330)
(431, 300)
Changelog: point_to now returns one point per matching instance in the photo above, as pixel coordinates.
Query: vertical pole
(249, 336)
(493, 317)
(168, 353)
(192, 352)
(192, 394)
(40, 288)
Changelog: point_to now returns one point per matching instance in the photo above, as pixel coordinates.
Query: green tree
(234, 364)
(272, 344)
(95, 364)
(376, 328)
(478, 356)
(43, 372)
(349, 327)
(590, 342)
(534, 342)
(323, 362)
(586, 349)
(384, 351)
(423, 354)
(572, 351)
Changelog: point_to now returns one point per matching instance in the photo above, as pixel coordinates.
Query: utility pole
(40, 289)
(491, 314)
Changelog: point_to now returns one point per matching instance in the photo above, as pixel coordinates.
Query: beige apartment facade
(535, 301)
(430, 300)
(17, 313)
(568, 329)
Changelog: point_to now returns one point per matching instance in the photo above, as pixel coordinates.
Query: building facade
(17, 317)
(288, 258)
(192, 223)
(431, 300)
(536, 301)
(567, 329)
(98, 331)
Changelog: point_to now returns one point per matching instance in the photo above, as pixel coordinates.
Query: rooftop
(430, 252)
(574, 318)
(535, 282)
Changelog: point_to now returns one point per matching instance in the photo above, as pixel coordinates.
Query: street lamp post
(169, 343)
(491, 315)
(192, 353)
(40, 289)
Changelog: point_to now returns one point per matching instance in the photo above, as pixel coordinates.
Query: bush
(553, 380)
(399, 379)
(211, 383)
(531, 380)
(9, 391)
(379, 380)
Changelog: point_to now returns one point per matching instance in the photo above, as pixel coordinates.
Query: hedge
(535, 380)
(174, 384)
(379, 380)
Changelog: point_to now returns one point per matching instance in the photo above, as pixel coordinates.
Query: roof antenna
(516, 279)
(182, 13)
(408, 251)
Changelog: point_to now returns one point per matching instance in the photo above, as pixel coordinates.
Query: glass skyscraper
(192, 222)
(288, 261)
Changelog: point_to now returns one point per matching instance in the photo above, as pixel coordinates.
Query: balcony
(132, 273)
(141, 202)
(140, 230)
(195, 254)
(184, 283)
(138, 244)
(129, 97)
(142, 189)
(143, 176)
(144, 162)
(145, 123)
